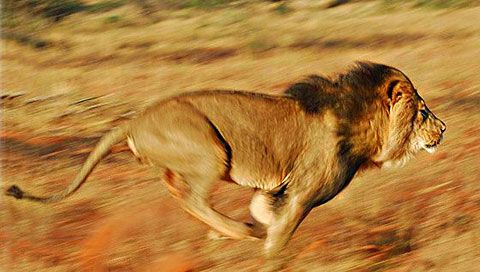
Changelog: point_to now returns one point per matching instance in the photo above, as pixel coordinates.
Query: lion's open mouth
(430, 148)
(431, 145)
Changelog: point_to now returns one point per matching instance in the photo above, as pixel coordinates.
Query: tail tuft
(15, 192)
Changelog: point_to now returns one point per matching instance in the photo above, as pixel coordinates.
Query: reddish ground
(97, 72)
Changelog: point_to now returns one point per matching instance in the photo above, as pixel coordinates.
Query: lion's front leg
(261, 207)
(285, 221)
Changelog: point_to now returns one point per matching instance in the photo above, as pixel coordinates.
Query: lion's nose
(443, 127)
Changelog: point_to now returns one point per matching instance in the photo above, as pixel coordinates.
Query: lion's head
(412, 127)
(381, 114)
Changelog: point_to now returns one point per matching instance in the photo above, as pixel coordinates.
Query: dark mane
(313, 93)
(365, 76)
(356, 89)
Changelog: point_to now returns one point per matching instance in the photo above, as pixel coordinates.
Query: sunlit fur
(421, 129)
(376, 110)
(299, 149)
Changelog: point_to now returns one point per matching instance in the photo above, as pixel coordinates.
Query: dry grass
(102, 68)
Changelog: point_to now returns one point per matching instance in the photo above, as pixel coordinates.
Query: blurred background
(73, 69)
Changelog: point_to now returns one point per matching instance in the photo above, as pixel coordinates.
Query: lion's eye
(424, 114)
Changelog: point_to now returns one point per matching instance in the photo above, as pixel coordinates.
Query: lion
(298, 150)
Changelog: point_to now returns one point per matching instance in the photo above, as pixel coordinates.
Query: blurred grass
(435, 4)
(56, 9)
(89, 71)
(59, 9)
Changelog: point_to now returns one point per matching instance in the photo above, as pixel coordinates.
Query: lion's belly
(249, 178)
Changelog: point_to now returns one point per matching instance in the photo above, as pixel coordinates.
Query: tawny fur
(298, 150)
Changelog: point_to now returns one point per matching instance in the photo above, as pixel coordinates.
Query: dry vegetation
(66, 82)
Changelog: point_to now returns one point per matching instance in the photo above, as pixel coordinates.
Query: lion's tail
(102, 149)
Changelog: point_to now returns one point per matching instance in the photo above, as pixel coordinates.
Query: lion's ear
(399, 129)
(394, 92)
(396, 89)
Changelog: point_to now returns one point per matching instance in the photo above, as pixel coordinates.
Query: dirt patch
(129, 229)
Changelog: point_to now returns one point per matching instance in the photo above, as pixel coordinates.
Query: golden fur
(298, 150)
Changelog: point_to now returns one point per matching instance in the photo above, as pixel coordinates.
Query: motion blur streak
(73, 69)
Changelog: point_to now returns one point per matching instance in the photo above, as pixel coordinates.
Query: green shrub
(58, 9)
(29, 40)
(112, 19)
(436, 4)
(205, 3)
(282, 8)
(442, 3)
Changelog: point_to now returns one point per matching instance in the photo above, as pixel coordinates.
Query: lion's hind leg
(189, 145)
(192, 193)
(261, 212)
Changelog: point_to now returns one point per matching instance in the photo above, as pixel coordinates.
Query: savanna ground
(66, 82)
